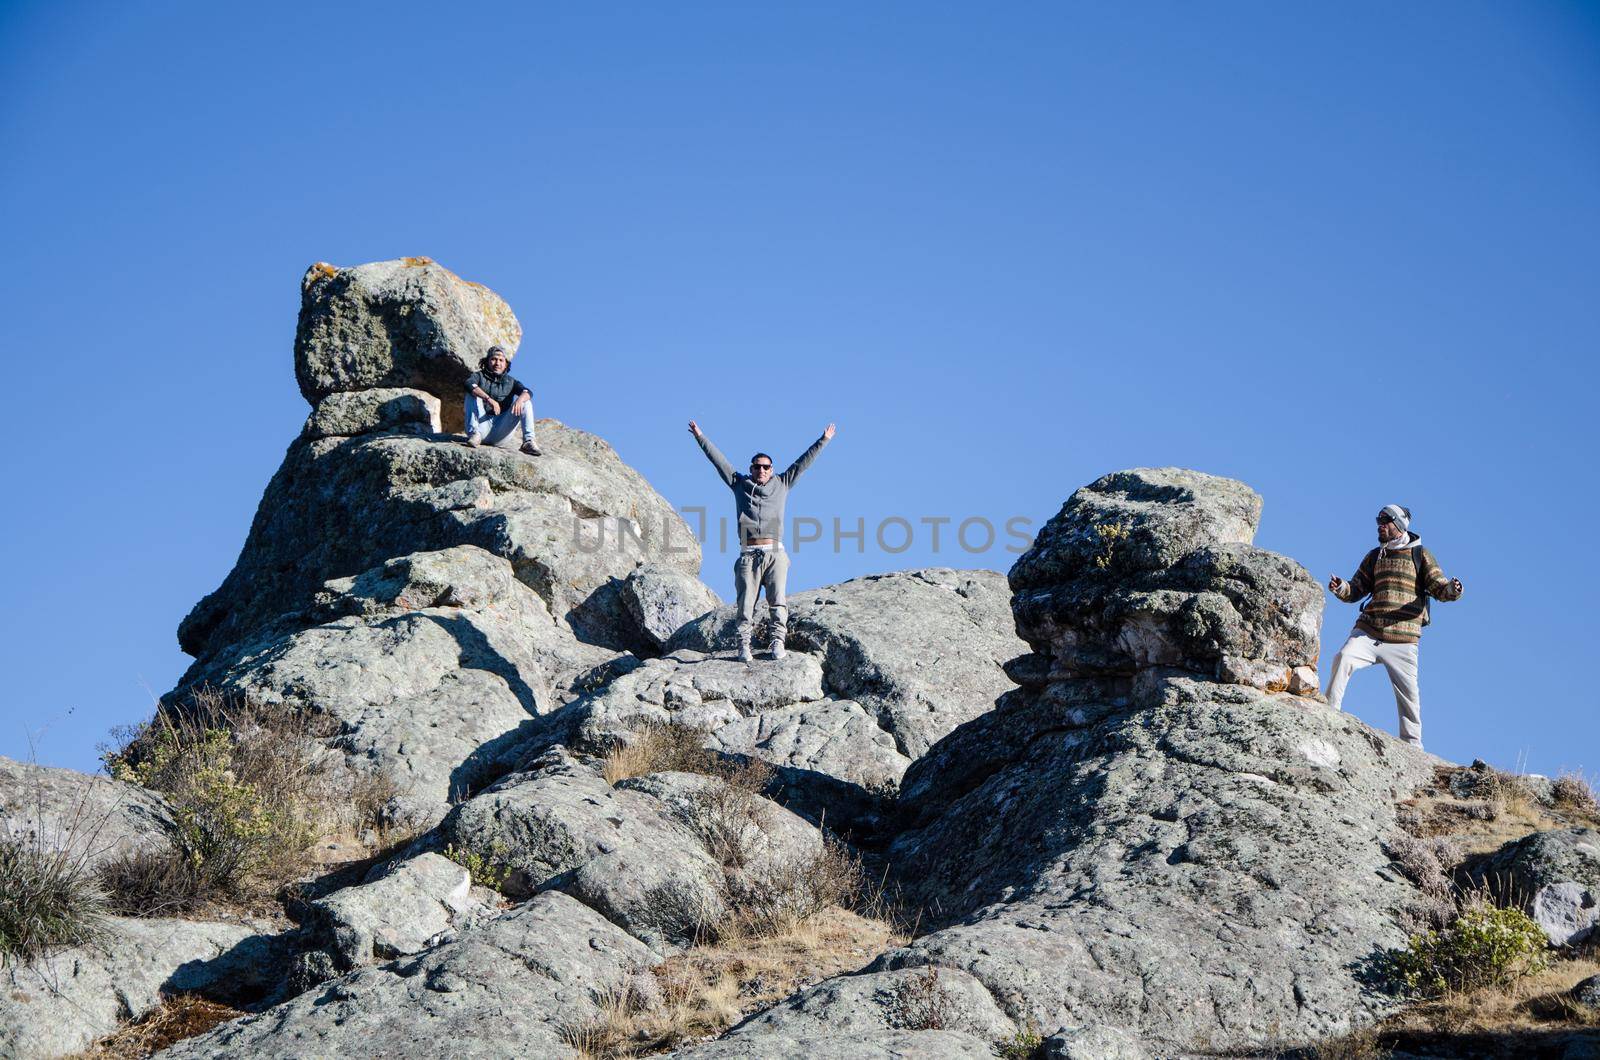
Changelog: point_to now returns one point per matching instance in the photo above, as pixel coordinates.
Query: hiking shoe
(778, 651)
(744, 652)
(473, 441)
(530, 449)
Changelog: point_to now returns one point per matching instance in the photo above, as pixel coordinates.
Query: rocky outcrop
(432, 664)
(921, 651)
(832, 760)
(1554, 876)
(1145, 839)
(404, 323)
(93, 818)
(508, 988)
(570, 522)
(61, 1004)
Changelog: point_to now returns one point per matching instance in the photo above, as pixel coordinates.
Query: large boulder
(404, 323)
(1153, 567)
(508, 988)
(1554, 876)
(433, 664)
(661, 600)
(59, 1005)
(921, 651)
(402, 909)
(93, 818)
(571, 522)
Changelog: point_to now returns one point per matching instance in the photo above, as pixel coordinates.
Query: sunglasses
(1384, 519)
(760, 467)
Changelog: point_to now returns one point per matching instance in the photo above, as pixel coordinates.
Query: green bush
(49, 898)
(250, 789)
(487, 870)
(1484, 946)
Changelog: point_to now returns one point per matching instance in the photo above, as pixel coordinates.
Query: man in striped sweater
(1398, 577)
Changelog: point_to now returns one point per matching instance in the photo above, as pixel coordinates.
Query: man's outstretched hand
(1455, 583)
(827, 432)
(1335, 583)
(694, 428)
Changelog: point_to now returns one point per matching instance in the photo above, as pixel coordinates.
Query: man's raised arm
(798, 468)
(713, 454)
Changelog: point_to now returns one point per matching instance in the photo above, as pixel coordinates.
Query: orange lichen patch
(415, 262)
(322, 268)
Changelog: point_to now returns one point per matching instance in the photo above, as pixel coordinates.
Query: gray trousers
(1361, 651)
(757, 569)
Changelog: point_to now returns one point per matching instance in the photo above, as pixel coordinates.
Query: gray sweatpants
(1400, 660)
(757, 569)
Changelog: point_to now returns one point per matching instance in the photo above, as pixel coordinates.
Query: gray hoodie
(760, 507)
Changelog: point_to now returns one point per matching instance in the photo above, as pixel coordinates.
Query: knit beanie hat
(1400, 515)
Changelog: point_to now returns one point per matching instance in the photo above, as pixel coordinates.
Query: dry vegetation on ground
(701, 992)
(180, 1016)
(1496, 809)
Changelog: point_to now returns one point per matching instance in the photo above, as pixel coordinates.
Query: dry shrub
(732, 817)
(771, 898)
(49, 897)
(250, 785)
(1428, 863)
(152, 883)
(1572, 791)
(920, 1002)
(178, 1017)
(659, 747)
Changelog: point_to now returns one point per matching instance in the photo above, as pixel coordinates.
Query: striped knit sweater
(1394, 614)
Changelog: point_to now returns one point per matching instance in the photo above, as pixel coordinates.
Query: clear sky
(1344, 252)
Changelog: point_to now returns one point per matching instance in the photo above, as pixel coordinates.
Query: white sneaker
(744, 652)
(474, 441)
(778, 651)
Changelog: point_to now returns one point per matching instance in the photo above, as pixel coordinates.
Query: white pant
(1361, 651)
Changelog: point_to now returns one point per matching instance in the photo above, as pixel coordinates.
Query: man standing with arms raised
(1399, 576)
(762, 563)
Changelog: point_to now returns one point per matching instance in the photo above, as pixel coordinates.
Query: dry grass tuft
(659, 747)
(49, 898)
(179, 1017)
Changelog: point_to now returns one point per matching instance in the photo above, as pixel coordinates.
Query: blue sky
(1346, 254)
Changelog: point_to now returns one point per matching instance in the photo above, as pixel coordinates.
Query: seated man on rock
(762, 563)
(1397, 577)
(488, 391)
